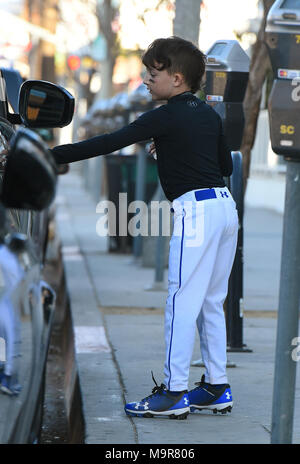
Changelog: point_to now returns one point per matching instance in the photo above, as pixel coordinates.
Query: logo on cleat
(137, 406)
(228, 395)
(186, 401)
(146, 405)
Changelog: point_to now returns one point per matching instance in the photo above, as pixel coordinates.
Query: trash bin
(121, 178)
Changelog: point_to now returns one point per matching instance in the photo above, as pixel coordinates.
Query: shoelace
(201, 383)
(157, 389)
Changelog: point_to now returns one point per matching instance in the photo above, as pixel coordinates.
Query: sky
(219, 19)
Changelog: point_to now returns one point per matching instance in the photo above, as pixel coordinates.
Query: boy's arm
(150, 124)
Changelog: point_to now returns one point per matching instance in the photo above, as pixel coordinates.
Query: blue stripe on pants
(173, 315)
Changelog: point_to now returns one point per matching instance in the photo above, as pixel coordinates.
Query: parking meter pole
(85, 173)
(282, 34)
(234, 303)
(288, 312)
(140, 194)
(96, 176)
(160, 246)
(227, 73)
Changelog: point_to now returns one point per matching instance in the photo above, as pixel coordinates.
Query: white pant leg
(10, 331)
(211, 321)
(191, 263)
(10, 325)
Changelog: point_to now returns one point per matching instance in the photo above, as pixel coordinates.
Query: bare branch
(259, 66)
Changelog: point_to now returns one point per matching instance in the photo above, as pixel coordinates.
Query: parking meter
(227, 72)
(283, 43)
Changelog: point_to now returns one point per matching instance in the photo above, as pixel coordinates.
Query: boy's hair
(177, 55)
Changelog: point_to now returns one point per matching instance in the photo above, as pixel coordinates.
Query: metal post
(160, 246)
(140, 189)
(95, 170)
(234, 304)
(85, 173)
(288, 312)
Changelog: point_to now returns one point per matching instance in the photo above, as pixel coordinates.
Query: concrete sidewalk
(119, 339)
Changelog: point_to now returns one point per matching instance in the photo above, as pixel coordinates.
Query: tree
(107, 11)
(187, 20)
(259, 67)
(107, 15)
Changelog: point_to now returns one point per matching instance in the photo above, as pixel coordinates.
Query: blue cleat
(161, 403)
(217, 398)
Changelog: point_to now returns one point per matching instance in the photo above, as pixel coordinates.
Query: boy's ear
(178, 79)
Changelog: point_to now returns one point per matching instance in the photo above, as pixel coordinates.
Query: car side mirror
(29, 180)
(43, 104)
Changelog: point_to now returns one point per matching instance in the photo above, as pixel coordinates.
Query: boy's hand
(152, 150)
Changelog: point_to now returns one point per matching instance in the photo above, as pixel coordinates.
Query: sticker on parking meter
(217, 98)
(286, 143)
(288, 73)
(287, 129)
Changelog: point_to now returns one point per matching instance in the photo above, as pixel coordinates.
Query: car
(28, 177)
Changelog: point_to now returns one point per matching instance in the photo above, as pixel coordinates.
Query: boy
(192, 158)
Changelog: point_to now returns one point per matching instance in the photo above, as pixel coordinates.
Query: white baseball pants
(202, 251)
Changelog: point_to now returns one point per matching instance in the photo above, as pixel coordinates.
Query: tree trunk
(259, 66)
(187, 20)
(106, 13)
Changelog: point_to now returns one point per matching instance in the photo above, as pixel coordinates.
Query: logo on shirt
(192, 103)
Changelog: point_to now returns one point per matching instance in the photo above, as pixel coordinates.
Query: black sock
(175, 393)
(217, 386)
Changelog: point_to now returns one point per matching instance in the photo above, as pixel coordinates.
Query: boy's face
(163, 85)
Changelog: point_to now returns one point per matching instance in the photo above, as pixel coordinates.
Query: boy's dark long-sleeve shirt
(191, 148)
